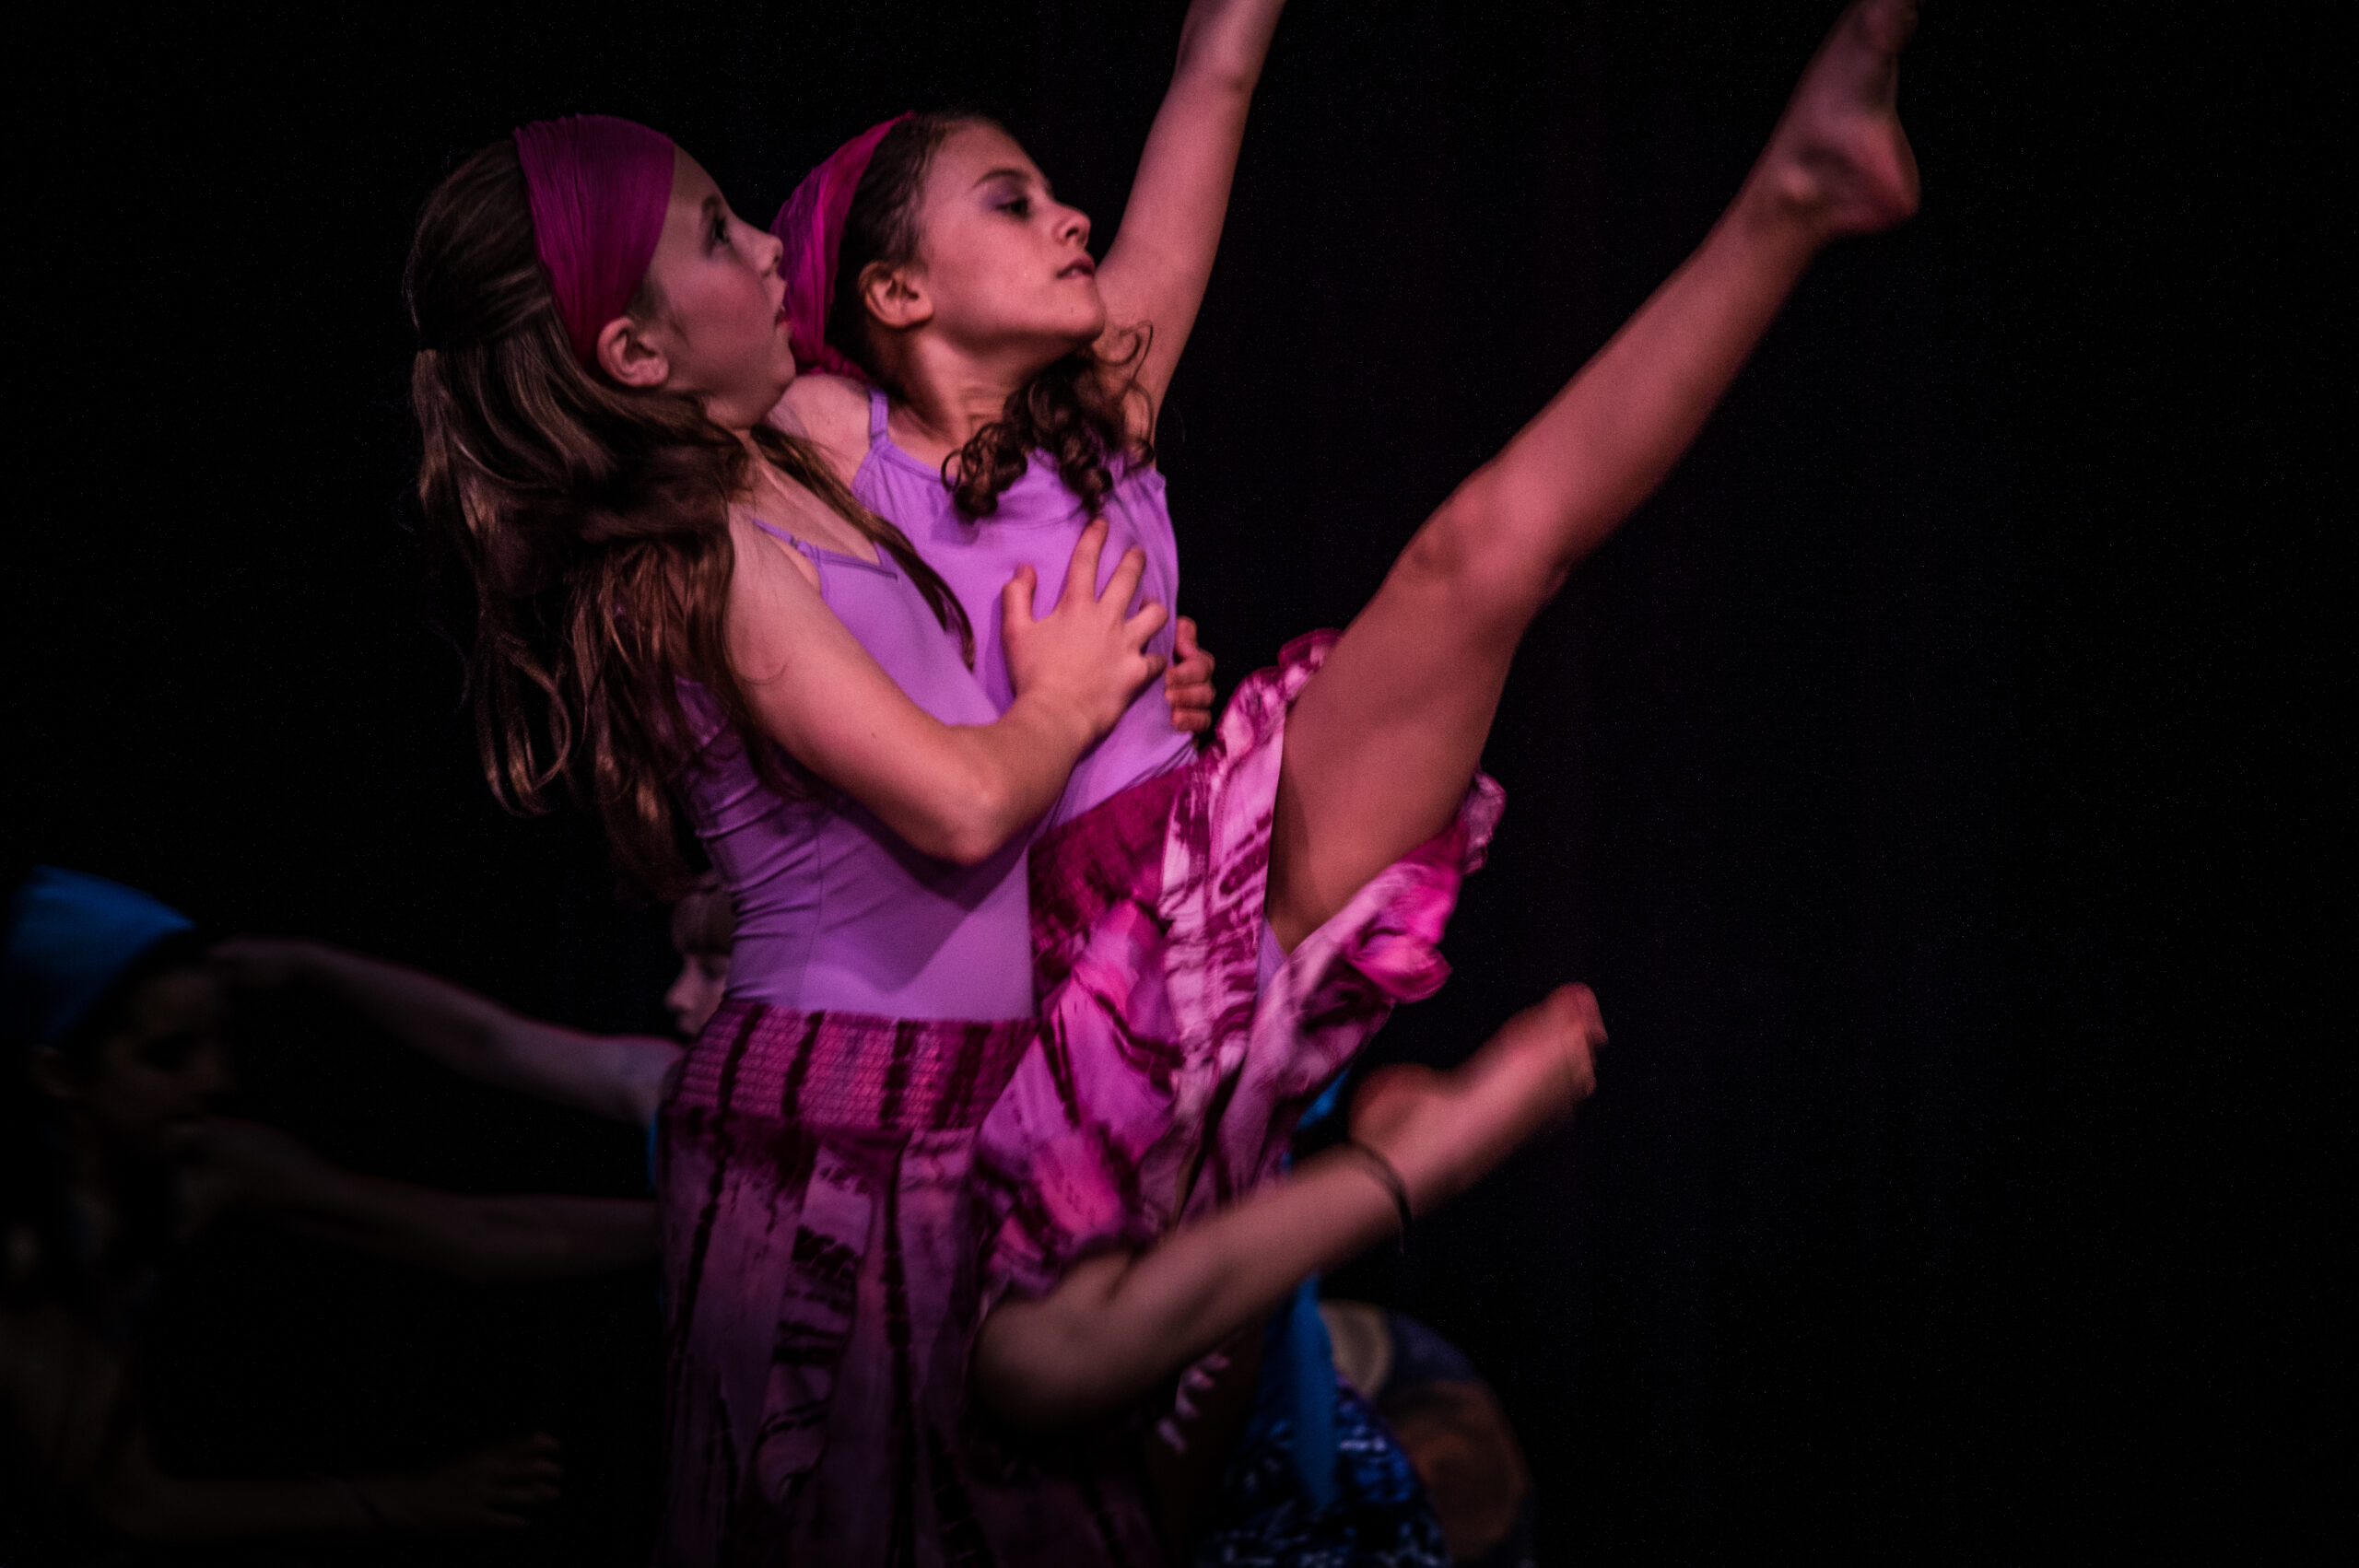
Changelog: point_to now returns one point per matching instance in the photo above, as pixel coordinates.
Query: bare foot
(1838, 159)
(1445, 1131)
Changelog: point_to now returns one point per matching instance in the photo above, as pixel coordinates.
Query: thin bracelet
(1383, 1171)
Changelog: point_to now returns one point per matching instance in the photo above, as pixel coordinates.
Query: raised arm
(959, 793)
(1162, 255)
(483, 1237)
(616, 1076)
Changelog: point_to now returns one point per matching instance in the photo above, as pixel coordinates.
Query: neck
(953, 394)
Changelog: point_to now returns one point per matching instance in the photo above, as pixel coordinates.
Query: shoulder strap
(792, 541)
(878, 407)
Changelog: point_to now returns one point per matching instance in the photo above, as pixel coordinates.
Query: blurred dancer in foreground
(111, 1020)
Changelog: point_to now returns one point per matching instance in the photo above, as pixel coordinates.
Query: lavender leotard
(819, 1225)
(835, 913)
(1037, 522)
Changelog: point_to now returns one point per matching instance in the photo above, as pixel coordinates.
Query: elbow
(984, 822)
(1481, 557)
(966, 807)
(1038, 1393)
(472, 1044)
(969, 846)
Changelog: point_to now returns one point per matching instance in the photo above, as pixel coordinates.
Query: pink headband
(811, 226)
(599, 188)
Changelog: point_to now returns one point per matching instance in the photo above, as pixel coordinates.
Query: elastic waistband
(852, 1069)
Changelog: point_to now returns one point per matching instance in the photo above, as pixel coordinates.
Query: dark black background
(1934, 779)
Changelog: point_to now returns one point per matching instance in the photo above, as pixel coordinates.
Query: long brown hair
(1076, 410)
(591, 524)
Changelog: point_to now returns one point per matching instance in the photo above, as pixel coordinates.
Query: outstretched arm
(479, 1237)
(1119, 1324)
(1162, 255)
(619, 1077)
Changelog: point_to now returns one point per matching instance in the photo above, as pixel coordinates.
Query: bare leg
(1384, 740)
(1119, 1324)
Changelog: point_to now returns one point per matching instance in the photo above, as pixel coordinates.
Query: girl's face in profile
(1001, 262)
(719, 316)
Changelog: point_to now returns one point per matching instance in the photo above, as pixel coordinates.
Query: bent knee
(1479, 563)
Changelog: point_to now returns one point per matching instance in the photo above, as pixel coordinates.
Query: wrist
(1061, 719)
(1386, 1175)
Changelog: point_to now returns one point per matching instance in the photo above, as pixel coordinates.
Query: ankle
(1783, 210)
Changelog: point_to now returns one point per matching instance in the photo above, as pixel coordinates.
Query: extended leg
(1383, 741)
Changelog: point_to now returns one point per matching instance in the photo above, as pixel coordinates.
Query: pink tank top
(1038, 520)
(835, 913)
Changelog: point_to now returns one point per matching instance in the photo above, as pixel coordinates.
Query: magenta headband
(599, 188)
(811, 226)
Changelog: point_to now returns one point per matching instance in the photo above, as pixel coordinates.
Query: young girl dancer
(818, 1142)
(601, 343)
(994, 388)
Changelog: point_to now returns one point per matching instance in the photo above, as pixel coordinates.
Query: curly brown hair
(1077, 410)
(589, 524)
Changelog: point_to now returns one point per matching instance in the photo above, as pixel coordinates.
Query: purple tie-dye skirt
(1171, 1070)
(819, 1251)
(843, 1196)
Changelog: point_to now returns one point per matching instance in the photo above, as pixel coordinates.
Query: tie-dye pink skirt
(843, 1196)
(1173, 1063)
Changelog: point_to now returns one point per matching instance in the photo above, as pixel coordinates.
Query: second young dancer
(978, 379)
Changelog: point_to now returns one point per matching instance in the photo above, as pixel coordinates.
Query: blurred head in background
(109, 1011)
(704, 924)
